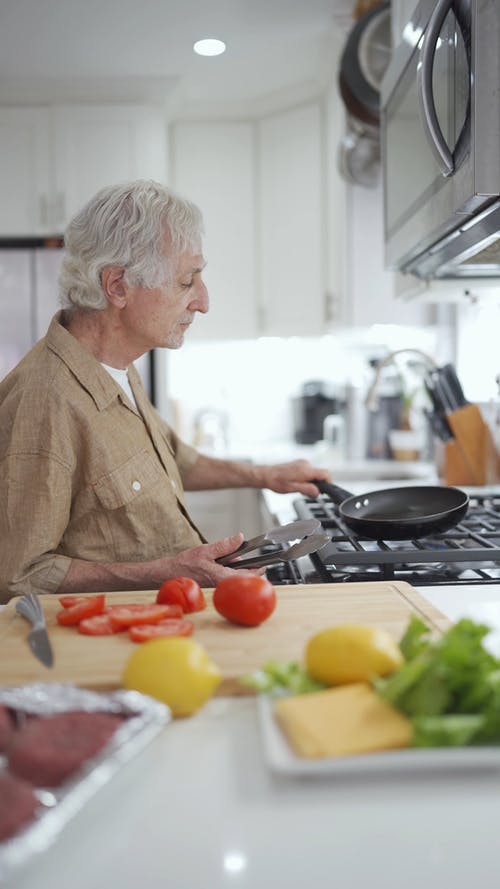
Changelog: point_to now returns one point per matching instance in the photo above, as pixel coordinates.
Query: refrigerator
(29, 300)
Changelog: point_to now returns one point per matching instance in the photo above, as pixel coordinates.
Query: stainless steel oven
(440, 121)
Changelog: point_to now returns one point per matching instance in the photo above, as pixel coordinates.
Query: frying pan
(399, 513)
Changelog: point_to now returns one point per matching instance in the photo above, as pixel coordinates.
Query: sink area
(320, 454)
(384, 470)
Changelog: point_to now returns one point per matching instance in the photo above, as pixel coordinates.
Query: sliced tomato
(163, 628)
(138, 608)
(98, 625)
(86, 607)
(183, 591)
(134, 615)
(69, 601)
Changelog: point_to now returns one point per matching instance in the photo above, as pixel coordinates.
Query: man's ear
(113, 284)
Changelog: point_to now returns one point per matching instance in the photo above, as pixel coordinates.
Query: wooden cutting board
(98, 662)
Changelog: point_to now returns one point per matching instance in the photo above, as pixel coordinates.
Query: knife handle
(30, 608)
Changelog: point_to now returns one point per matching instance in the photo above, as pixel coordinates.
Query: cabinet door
(213, 165)
(219, 514)
(292, 231)
(24, 171)
(97, 145)
(371, 287)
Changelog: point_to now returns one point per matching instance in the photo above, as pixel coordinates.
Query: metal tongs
(302, 531)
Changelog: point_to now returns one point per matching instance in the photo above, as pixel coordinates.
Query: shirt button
(173, 484)
(136, 485)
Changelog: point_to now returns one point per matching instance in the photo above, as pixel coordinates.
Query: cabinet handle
(44, 210)
(60, 208)
(331, 303)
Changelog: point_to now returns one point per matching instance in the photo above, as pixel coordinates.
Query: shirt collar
(87, 369)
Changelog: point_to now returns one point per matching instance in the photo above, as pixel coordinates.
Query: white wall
(478, 353)
(252, 383)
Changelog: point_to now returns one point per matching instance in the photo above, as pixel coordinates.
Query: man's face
(159, 317)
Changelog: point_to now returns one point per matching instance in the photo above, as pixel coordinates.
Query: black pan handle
(338, 495)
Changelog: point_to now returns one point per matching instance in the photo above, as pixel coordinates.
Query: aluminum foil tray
(145, 719)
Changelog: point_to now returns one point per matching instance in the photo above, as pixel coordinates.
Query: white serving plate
(280, 756)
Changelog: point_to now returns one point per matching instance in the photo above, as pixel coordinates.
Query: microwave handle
(437, 140)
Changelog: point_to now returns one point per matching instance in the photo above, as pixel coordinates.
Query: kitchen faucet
(371, 400)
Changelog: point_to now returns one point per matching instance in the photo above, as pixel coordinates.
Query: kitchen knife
(437, 417)
(38, 640)
(442, 392)
(439, 426)
(449, 375)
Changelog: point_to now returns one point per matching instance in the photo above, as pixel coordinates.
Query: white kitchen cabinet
(373, 290)
(24, 171)
(292, 237)
(96, 145)
(219, 514)
(259, 186)
(213, 165)
(56, 158)
(292, 248)
(336, 300)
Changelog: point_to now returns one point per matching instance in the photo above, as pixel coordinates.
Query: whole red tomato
(245, 600)
(183, 591)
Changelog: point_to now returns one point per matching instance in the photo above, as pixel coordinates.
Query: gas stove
(468, 554)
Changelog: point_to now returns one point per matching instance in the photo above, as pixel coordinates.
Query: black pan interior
(407, 505)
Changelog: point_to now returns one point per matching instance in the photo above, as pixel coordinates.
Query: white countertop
(323, 454)
(199, 809)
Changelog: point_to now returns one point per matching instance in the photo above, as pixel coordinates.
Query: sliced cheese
(340, 721)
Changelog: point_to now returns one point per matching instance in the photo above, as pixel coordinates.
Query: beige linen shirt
(82, 473)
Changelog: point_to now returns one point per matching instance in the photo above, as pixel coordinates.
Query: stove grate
(468, 553)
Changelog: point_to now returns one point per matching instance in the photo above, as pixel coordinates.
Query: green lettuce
(281, 677)
(449, 687)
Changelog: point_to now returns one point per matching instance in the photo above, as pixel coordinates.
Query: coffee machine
(315, 402)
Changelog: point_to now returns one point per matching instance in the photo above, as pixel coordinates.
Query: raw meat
(18, 804)
(49, 749)
(7, 728)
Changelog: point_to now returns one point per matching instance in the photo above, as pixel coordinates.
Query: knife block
(471, 457)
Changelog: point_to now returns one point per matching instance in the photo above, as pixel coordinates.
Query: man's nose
(200, 302)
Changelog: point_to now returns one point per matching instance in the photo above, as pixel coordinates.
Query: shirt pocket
(129, 481)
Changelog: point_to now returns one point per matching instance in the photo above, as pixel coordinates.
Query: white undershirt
(121, 377)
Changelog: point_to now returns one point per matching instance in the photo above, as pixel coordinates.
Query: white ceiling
(115, 50)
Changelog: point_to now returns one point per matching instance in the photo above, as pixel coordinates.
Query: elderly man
(91, 478)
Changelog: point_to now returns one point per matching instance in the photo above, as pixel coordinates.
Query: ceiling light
(234, 862)
(209, 47)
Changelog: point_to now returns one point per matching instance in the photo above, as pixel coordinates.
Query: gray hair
(126, 225)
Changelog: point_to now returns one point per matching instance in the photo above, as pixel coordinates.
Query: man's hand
(199, 562)
(286, 478)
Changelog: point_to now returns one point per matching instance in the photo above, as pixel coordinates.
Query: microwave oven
(440, 134)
